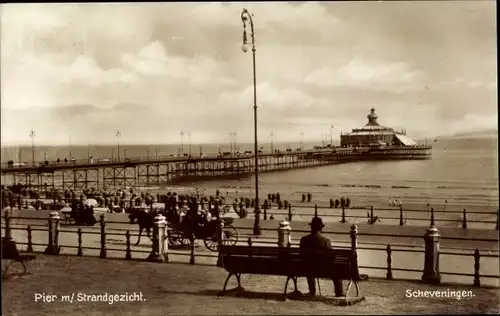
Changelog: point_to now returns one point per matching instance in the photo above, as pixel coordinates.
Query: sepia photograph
(249, 158)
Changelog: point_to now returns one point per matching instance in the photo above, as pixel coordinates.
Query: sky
(81, 72)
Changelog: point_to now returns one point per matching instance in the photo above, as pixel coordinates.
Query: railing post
(156, 254)
(191, 257)
(80, 251)
(401, 222)
(432, 217)
(315, 210)
(128, 252)
(388, 275)
(284, 234)
(431, 264)
(164, 239)
(53, 246)
(477, 257)
(354, 237)
(464, 221)
(290, 212)
(103, 236)
(220, 241)
(343, 215)
(7, 224)
(265, 213)
(30, 238)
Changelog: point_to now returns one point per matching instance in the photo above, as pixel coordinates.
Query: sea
(462, 172)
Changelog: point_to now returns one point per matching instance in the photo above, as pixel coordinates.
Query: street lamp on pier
(70, 155)
(247, 17)
(182, 142)
(272, 142)
(234, 142)
(331, 135)
(118, 135)
(189, 139)
(32, 135)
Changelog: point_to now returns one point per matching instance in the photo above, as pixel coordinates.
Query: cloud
(270, 98)
(461, 83)
(32, 82)
(70, 68)
(267, 15)
(474, 122)
(153, 60)
(367, 75)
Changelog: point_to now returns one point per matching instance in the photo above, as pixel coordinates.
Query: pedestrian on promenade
(316, 241)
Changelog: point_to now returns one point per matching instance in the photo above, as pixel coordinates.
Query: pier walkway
(102, 173)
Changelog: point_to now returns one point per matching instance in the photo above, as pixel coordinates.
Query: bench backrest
(334, 263)
(9, 249)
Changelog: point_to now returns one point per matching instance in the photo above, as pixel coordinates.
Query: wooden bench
(12, 254)
(293, 263)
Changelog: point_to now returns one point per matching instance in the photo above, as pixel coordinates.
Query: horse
(145, 221)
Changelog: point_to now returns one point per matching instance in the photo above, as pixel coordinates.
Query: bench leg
(225, 284)
(357, 288)
(296, 290)
(238, 278)
(347, 290)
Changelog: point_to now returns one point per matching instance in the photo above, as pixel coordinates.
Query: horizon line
(223, 143)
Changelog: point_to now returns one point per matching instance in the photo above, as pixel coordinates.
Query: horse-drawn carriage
(183, 234)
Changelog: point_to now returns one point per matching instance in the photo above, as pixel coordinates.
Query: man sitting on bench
(316, 241)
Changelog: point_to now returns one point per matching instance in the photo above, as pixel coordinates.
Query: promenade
(179, 289)
(456, 260)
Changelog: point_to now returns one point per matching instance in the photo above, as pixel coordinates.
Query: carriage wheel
(230, 238)
(176, 239)
(230, 235)
(211, 243)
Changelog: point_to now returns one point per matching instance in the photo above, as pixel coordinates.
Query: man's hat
(316, 222)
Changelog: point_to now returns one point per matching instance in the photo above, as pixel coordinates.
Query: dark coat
(315, 241)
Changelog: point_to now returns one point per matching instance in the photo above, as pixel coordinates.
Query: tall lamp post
(272, 142)
(182, 142)
(118, 135)
(32, 135)
(247, 17)
(331, 135)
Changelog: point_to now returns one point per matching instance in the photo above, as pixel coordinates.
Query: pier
(85, 174)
